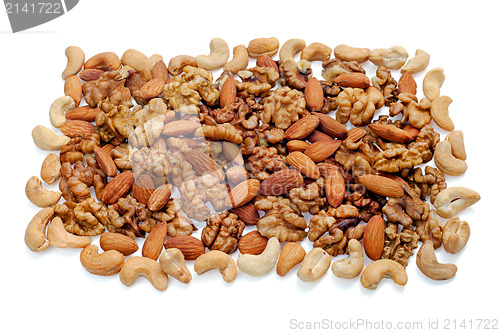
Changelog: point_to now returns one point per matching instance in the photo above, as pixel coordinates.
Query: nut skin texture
(173, 264)
(142, 266)
(59, 237)
(430, 267)
(303, 164)
(191, 247)
(407, 84)
(456, 233)
(321, 150)
(302, 128)
(217, 260)
(373, 237)
(243, 193)
(352, 80)
(252, 243)
(34, 237)
(117, 187)
(119, 242)
(281, 182)
(153, 244)
(105, 162)
(381, 185)
(105, 264)
(314, 265)
(247, 213)
(257, 265)
(331, 126)
(73, 89)
(383, 268)
(314, 95)
(350, 267)
(40, 196)
(228, 92)
(391, 133)
(159, 197)
(291, 255)
(335, 188)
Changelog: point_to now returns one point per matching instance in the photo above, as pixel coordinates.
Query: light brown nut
(331, 126)
(247, 213)
(40, 196)
(105, 61)
(216, 260)
(232, 152)
(352, 80)
(392, 58)
(142, 188)
(227, 92)
(59, 237)
(266, 61)
(119, 242)
(51, 168)
(263, 46)
(383, 268)
(381, 185)
(456, 139)
(73, 89)
(290, 48)
(407, 84)
(117, 187)
(139, 61)
(314, 265)
(449, 202)
(190, 246)
(350, 267)
(180, 127)
(239, 61)
(316, 52)
(58, 110)
(314, 95)
(374, 237)
(440, 113)
(297, 145)
(153, 245)
(85, 113)
(348, 53)
(152, 88)
(142, 266)
(417, 63)
(106, 263)
(45, 139)
(334, 188)
(90, 74)
(219, 54)
(262, 263)
(391, 132)
(34, 237)
(76, 59)
(105, 162)
(159, 197)
(302, 128)
(236, 174)
(242, 193)
(446, 162)
(173, 264)
(177, 64)
(321, 150)
(222, 132)
(75, 128)
(430, 267)
(303, 164)
(432, 83)
(456, 233)
(160, 71)
(281, 182)
(252, 243)
(291, 255)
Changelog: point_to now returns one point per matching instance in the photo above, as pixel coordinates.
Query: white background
(51, 291)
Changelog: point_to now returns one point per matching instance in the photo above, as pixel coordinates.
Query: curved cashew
(76, 59)
(350, 267)
(58, 109)
(34, 236)
(139, 61)
(260, 264)
(432, 83)
(290, 48)
(456, 139)
(143, 266)
(453, 200)
(291, 255)
(216, 260)
(219, 53)
(107, 263)
(105, 61)
(417, 63)
(349, 53)
(59, 237)
(172, 262)
(456, 233)
(314, 266)
(316, 52)
(239, 61)
(440, 114)
(177, 64)
(263, 46)
(51, 168)
(392, 58)
(428, 264)
(46, 139)
(446, 162)
(383, 268)
(38, 195)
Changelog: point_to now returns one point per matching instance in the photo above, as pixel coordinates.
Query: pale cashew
(456, 233)
(105, 61)
(432, 83)
(58, 109)
(315, 265)
(239, 61)
(143, 266)
(177, 64)
(446, 162)
(392, 58)
(316, 52)
(219, 54)
(34, 236)
(417, 63)
(216, 260)
(453, 200)
(349, 53)
(76, 59)
(290, 48)
(383, 268)
(107, 263)
(139, 61)
(428, 264)
(350, 267)
(172, 262)
(51, 168)
(456, 139)
(260, 264)
(46, 139)
(440, 113)
(40, 196)
(263, 46)
(59, 237)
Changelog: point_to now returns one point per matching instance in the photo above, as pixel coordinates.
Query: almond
(160, 71)
(302, 128)
(318, 136)
(391, 132)
(412, 131)
(303, 164)
(85, 113)
(267, 61)
(232, 152)
(152, 88)
(352, 80)
(297, 145)
(190, 246)
(381, 185)
(321, 150)
(252, 243)
(73, 89)
(355, 134)
(373, 237)
(105, 162)
(334, 188)
(159, 197)
(291, 255)
(180, 127)
(90, 74)
(117, 187)
(243, 193)
(201, 162)
(228, 92)
(407, 84)
(143, 188)
(313, 95)
(247, 213)
(119, 242)
(331, 126)
(74, 128)
(281, 182)
(154, 241)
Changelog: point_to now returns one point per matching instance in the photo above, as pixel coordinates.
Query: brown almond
(321, 150)
(119, 242)
(334, 188)
(313, 95)
(281, 182)
(291, 255)
(105, 162)
(228, 92)
(232, 152)
(318, 136)
(355, 134)
(73, 89)
(297, 145)
(373, 237)
(117, 187)
(201, 162)
(407, 84)
(143, 188)
(90, 74)
(154, 241)
(152, 89)
(242, 193)
(302, 128)
(267, 61)
(74, 128)
(391, 132)
(190, 246)
(381, 185)
(247, 213)
(252, 243)
(352, 80)
(331, 126)
(180, 127)
(160, 71)
(85, 113)
(303, 164)
(159, 197)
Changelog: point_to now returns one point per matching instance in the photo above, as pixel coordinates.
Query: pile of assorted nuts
(161, 150)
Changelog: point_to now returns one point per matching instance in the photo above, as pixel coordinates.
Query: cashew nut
(143, 266)
(46, 139)
(417, 63)
(350, 267)
(58, 109)
(456, 233)
(51, 168)
(428, 264)
(177, 64)
(446, 162)
(263, 46)
(392, 58)
(34, 236)
(172, 262)
(59, 237)
(76, 59)
(316, 52)
(383, 268)
(260, 264)
(239, 61)
(38, 195)
(219, 53)
(216, 260)
(107, 263)
(349, 53)
(105, 61)
(440, 114)
(456, 139)
(314, 266)
(290, 48)
(432, 83)
(453, 200)
(139, 61)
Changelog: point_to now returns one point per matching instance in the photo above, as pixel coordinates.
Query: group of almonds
(311, 139)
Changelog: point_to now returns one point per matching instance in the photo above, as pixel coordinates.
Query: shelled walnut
(222, 232)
